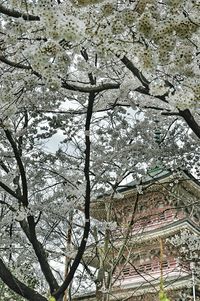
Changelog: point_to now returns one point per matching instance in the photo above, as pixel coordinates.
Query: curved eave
(124, 292)
(161, 232)
(186, 180)
(169, 229)
(161, 177)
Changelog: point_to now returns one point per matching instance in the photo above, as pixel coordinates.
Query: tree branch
(170, 113)
(29, 230)
(136, 72)
(4, 60)
(189, 119)
(144, 89)
(3, 165)
(185, 114)
(82, 246)
(65, 85)
(91, 89)
(21, 167)
(10, 191)
(42, 258)
(17, 286)
(16, 14)
(25, 125)
(191, 122)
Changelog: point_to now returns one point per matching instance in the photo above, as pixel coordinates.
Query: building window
(162, 216)
(165, 264)
(148, 267)
(141, 269)
(126, 271)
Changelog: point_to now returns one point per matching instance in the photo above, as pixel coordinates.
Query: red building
(135, 255)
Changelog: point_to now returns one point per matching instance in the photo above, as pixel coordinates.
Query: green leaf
(162, 296)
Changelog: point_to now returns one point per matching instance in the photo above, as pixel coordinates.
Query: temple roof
(156, 181)
(156, 175)
(133, 291)
(139, 238)
(152, 175)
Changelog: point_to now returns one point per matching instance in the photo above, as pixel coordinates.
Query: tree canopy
(120, 81)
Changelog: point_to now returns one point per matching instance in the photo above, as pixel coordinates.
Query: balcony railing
(150, 270)
(150, 222)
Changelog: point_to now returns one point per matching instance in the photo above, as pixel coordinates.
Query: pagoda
(136, 256)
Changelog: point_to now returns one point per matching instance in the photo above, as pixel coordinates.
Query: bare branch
(135, 72)
(170, 113)
(10, 191)
(16, 14)
(185, 114)
(91, 89)
(3, 165)
(21, 167)
(17, 286)
(29, 230)
(82, 246)
(4, 60)
(65, 85)
(191, 122)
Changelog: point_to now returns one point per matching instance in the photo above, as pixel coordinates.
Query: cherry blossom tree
(109, 75)
(146, 47)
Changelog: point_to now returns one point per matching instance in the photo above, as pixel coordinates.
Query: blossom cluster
(161, 40)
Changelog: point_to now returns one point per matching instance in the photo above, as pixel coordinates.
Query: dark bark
(136, 72)
(144, 89)
(65, 85)
(94, 89)
(4, 60)
(29, 229)
(16, 14)
(42, 258)
(4, 167)
(20, 140)
(82, 246)
(10, 191)
(21, 167)
(17, 286)
(191, 122)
